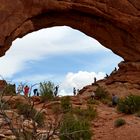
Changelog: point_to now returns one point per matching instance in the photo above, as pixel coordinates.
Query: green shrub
(29, 112)
(4, 105)
(90, 101)
(66, 104)
(9, 90)
(138, 114)
(119, 122)
(107, 101)
(101, 93)
(74, 129)
(109, 104)
(46, 91)
(57, 109)
(26, 135)
(129, 104)
(39, 118)
(89, 114)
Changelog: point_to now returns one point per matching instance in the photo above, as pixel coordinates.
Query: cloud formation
(78, 80)
(43, 44)
(47, 43)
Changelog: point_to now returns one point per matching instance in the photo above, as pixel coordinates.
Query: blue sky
(60, 54)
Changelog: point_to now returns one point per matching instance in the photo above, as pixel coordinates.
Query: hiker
(26, 90)
(114, 99)
(93, 95)
(35, 91)
(114, 71)
(19, 89)
(74, 91)
(78, 91)
(56, 90)
(95, 80)
(107, 76)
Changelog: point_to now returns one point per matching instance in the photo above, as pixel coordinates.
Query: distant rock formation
(114, 23)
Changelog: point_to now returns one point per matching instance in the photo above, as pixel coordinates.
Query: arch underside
(108, 34)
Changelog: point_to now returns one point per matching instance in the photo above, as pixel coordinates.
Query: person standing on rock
(78, 91)
(56, 90)
(35, 91)
(26, 90)
(74, 91)
(115, 99)
(95, 80)
(19, 89)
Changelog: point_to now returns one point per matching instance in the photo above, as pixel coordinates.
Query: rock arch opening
(111, 23)
(61, 54)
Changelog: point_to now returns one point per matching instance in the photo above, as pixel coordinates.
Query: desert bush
(4, 105)
(138, 114)
(107, 101)
(91, 101)
(46, 91)
(89, 114)
(109, 104)
(129, 104)
(66, 104)
(57, 109)
(119, 122)
(74, 129)
(39, 118)
(29, 112)
(101, 93)
(25, 135)
(9, 90)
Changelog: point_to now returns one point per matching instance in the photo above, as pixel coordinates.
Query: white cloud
(42, 44)
(78, 80)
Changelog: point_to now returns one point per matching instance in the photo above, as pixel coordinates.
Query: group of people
(24, 89)
(75, 92)
(115, 98)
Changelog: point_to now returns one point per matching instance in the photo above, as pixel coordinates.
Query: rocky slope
(102, 127)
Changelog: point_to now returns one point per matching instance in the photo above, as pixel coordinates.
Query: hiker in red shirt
(26, 90)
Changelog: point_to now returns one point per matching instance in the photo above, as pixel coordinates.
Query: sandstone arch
(114, 23)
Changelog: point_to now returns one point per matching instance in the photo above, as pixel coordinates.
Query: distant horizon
(62, 55)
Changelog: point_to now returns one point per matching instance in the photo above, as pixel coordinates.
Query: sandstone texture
(114, 23)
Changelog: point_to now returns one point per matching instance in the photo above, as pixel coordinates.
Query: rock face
(128, 72)
(114, 23)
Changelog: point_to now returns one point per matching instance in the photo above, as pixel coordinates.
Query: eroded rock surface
(114, 23)
(127, 72)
